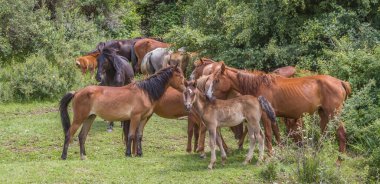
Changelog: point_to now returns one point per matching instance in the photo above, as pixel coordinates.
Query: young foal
(231, 112)
(134, 102)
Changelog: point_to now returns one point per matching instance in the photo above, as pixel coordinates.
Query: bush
(38, 79)
(374, 169)
(269, 173)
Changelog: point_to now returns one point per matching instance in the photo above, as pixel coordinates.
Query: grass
(31, 141)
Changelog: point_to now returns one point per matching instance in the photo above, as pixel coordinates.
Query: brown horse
(228, 113)
(182, 58)
(287, 71)
(87, 63)
(134, 102)
(205, 66)
(143, 46)
(290, 97)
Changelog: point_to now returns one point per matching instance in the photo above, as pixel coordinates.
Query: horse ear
(223, 67)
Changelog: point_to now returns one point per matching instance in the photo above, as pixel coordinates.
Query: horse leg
(341, 134)
(83, 135)
(268, 132)
(190, 131)
(196, 136)
(69, 134)
(201, 140)
(220, 145)
(139, 136)
(252, 141)
(110, 126)
(126, 125)
(131, 135)
(241, 140)
(212, 135)
(223, 143)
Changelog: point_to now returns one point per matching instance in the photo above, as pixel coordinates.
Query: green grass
(31, 139)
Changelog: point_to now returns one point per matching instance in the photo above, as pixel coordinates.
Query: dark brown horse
(143, 46)
(134, 102)
(290, 97)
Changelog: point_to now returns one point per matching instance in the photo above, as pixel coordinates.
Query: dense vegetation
(40, 39)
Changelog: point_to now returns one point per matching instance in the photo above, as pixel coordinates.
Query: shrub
(38, 78)
(269, 173)
(374, 169)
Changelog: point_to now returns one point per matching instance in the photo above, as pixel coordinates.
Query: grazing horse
(134, 102)
(287, 71)
(113, 70)
(87, 63)
(143, 46)
(290, 97)
(181, 57)
(153, 60)
(228, 113)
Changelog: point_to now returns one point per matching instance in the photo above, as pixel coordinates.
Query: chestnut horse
(290, 97)
(143, 46)
(287, 71)
(134, 102)
(205, 66)
(227, 113)
(87, 63)
(181, 57)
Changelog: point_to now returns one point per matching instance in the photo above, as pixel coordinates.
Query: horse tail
(150, 63)
(267, 107)
(133, 56)
(65, 118)
(347, 88)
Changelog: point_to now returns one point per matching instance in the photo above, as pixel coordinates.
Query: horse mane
(203, 61)
(155, 84)
(201, 83)
(250, 82)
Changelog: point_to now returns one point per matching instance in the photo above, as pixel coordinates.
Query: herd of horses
(214, 96)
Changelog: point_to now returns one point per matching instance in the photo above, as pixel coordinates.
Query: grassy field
(31, 139)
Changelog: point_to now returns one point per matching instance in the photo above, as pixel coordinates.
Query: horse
(153, 60)
(123, 47)
(228, 113)
(290, 97)
(113, 70)
(287, 71)
(134, 102)
(205, 66)
(180, 57)
(87, 63)
(143, 46)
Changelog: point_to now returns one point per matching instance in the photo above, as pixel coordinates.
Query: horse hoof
(246, 162)
(210, 166)
(224, 161)
(63, 158)
(188, 150)
(83, 157)
(202, 155)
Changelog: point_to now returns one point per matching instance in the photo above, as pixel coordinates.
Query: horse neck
(200, 102)
(232, 76)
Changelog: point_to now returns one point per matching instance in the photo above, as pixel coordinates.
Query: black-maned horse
(114, 70)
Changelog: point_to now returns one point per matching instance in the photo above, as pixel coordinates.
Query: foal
(227, 113)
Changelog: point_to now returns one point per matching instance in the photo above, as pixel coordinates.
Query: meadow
(32, 138)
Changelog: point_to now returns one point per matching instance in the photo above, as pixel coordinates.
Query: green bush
(269, 173)
(38, 79)
(374, 169)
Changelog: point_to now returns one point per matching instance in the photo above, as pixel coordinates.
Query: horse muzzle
(188, 107)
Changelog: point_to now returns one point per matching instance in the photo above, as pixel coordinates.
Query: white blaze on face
(209, 91)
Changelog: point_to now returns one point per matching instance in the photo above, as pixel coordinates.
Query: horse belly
(231, 120)
(114, 113)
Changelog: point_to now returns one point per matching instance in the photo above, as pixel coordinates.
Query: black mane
(154, 85)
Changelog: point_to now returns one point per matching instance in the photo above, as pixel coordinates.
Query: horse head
(189, 94)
